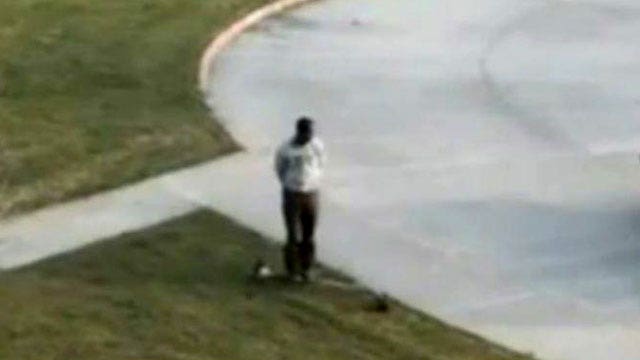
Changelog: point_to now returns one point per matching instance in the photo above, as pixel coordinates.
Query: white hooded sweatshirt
(300, 168)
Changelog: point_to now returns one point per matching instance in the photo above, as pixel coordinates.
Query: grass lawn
(96, 93)
(181, 291)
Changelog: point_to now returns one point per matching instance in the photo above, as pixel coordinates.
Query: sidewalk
(65, 227)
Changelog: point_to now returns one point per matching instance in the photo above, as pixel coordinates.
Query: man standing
(299, 165)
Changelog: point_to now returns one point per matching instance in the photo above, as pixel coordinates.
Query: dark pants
(300, 216)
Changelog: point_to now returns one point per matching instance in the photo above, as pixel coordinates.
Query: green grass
(181, 291)
(95, 93)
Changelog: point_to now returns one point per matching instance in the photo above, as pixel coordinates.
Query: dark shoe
(305, 277)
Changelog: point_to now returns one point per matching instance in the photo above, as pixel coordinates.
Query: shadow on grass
(183, 290)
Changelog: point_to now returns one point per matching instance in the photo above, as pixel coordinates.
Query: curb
(67, 226)
(234, 31)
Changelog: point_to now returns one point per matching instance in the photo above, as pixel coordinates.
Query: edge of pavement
(67, 226)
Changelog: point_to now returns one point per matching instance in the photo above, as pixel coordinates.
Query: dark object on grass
(380, 303)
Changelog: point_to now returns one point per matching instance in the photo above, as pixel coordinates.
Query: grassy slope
(180, 291)
(94, 94)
